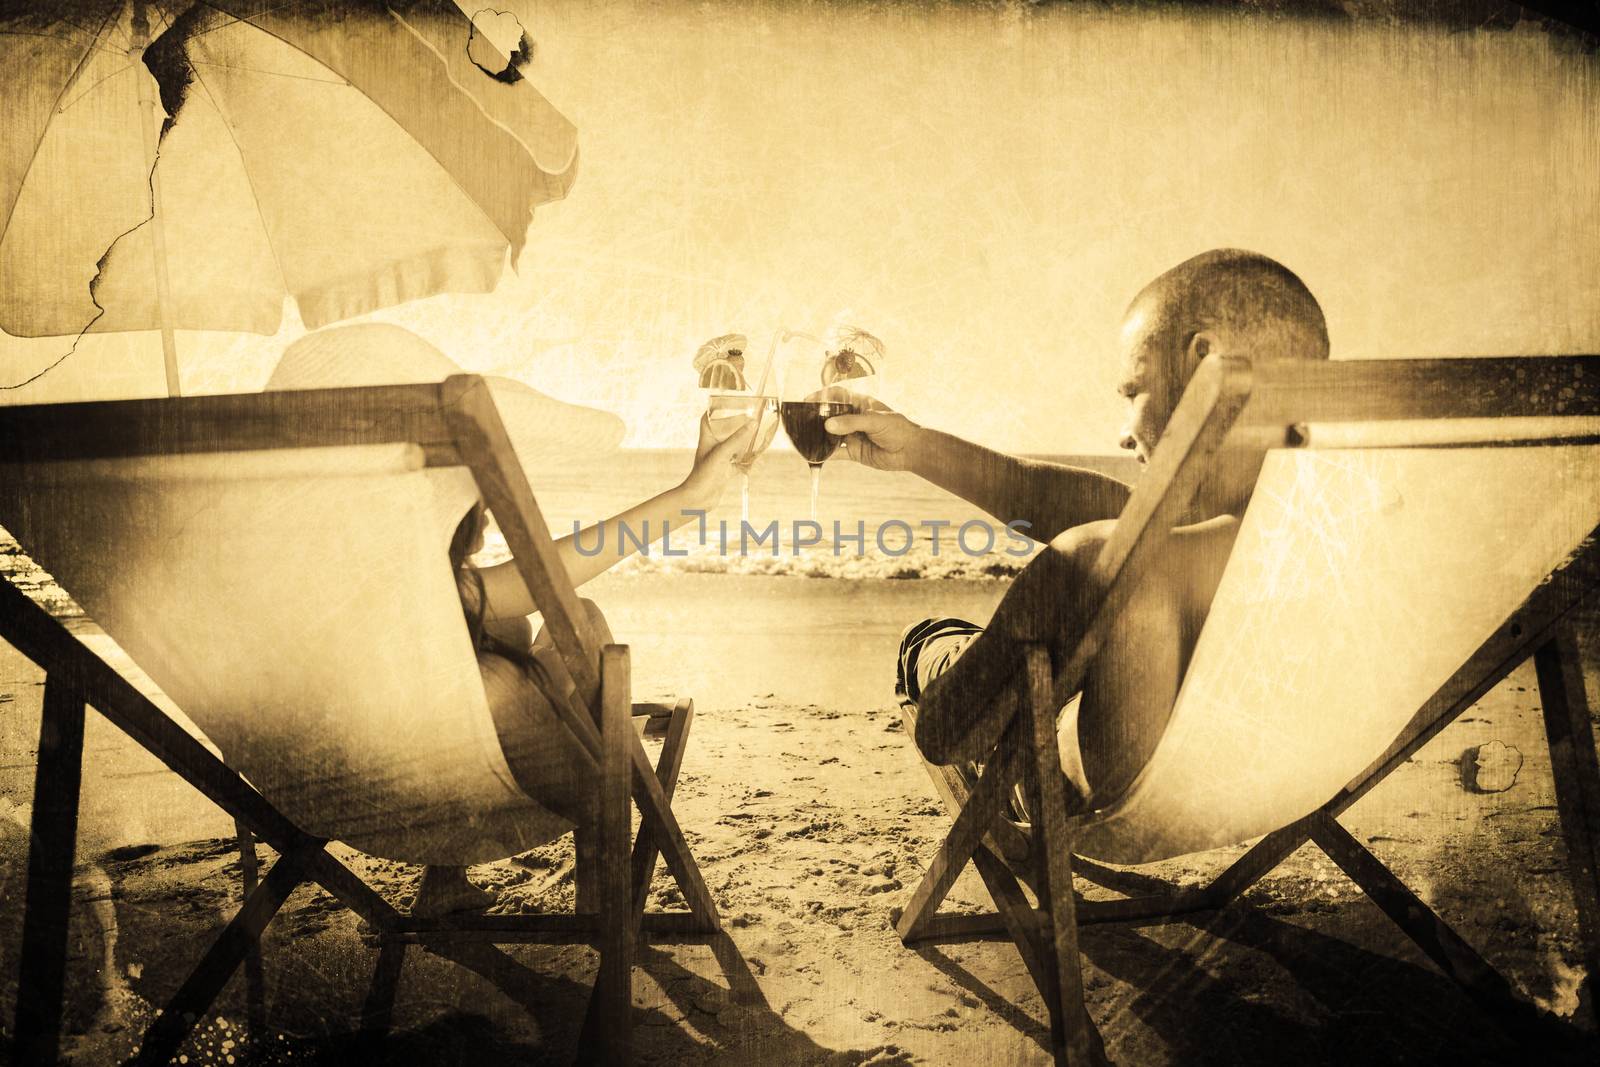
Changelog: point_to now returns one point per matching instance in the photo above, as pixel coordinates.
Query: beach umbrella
(189, 165)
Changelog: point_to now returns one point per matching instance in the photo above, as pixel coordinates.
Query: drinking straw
(782, 335)
(761, 393)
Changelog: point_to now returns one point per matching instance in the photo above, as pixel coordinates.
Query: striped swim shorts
(928, 649)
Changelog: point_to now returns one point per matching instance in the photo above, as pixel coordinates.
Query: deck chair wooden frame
(456, 424)
(1251, 407)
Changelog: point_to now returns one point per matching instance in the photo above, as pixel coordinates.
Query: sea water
(868, 524)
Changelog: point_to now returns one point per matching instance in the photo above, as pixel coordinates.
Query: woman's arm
(604, 544)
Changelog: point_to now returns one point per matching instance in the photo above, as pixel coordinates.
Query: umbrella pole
(158, 233)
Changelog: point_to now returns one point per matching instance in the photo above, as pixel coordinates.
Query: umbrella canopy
(349, 156)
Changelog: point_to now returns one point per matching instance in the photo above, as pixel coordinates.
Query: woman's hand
(715, 462)
(879, 437)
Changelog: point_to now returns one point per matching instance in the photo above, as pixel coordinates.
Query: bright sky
(985, 191)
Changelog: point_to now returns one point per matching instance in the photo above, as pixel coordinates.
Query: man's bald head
(1256, 303)
(1226, 302)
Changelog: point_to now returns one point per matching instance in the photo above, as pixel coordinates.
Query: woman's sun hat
(376, 353)
(545, 432)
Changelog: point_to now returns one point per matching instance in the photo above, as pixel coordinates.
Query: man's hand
(1048, 497)
(880, 437)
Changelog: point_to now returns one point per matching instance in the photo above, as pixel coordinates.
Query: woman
(522, 675)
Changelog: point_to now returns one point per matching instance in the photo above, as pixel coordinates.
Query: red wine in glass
(804, 422)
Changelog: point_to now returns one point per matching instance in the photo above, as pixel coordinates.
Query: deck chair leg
(1262, 857)
(966, 835)
(377, 1012)
(1018, 919)
(200, 989)
(586, 869)
(47, 910)
(656, 813)
(1577, 784)
(1453, 955)
(1074, 1038)
(608, 1026)
(1006, 840)
(645, 849)
(254, 981)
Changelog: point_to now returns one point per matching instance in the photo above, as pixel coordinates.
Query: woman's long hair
(467, 539)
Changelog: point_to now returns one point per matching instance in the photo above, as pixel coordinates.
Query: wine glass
(726, 414)
(720, 365)
(810, 398)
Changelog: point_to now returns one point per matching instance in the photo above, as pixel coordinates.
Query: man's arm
(1050, 497)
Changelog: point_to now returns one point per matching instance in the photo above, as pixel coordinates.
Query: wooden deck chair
(275, 563)
(1418, 530)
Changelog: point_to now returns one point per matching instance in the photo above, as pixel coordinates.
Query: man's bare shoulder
(1083, 543)
(1189, 560)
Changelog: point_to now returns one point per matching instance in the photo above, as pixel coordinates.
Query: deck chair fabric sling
(1418, 530)
(276, 564)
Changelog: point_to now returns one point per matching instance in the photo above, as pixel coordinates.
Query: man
(1221, 303)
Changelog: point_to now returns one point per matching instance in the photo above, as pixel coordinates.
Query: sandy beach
(1048, 219)
(812, 818)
